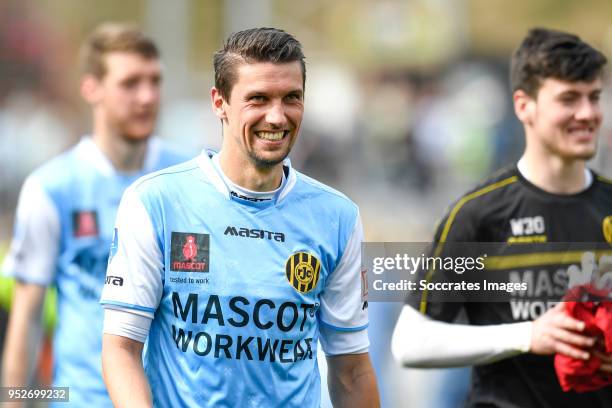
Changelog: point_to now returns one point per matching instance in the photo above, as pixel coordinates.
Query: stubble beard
(571, 156)
(265, 163)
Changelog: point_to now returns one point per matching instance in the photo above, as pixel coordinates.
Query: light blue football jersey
(63, 230)
(238, 289)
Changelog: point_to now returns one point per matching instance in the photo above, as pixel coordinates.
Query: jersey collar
(521, 165)
(216, 179)
(87, 150)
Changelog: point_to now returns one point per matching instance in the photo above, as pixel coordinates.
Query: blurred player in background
(549, 196)
(232, 265)
(67, 207)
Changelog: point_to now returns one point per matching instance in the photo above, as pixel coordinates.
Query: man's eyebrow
(569, 91)
(261, 92)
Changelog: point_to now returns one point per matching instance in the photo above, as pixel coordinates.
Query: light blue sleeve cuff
(336, 342)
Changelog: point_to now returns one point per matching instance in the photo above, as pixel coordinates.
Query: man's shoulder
(493, 191)
(495, 183)
(322, 194)
(604, 182)
(169, 176)
(168, 154)
(489, 200)
(58, 171)
(601, 192)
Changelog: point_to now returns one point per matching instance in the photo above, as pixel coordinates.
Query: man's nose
(275, 115)
(588, 110)
(148, 93)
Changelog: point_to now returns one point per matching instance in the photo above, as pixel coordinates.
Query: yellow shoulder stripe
(451, 218)
(470, 197)
(504, 262)
(604, 179)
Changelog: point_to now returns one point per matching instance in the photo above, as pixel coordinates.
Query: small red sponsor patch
(85, 224)
(189, 252)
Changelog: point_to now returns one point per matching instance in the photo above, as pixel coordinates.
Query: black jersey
(509, 209)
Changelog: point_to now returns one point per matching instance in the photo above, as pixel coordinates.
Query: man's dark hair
(250, 46)
(553, 54)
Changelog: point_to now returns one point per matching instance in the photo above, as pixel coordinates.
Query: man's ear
(91, 89)
(218, 103)
(524, 106)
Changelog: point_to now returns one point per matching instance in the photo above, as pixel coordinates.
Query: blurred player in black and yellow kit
(548, 197)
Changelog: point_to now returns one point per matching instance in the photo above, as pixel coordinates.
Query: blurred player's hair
(555, 54)
(251, 46)
(114, 37)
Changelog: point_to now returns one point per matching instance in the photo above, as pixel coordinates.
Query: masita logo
(189, 252)
(114, 280)
(255, 233)
(303, 270)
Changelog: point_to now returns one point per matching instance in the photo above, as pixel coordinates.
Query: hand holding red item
(588, 375)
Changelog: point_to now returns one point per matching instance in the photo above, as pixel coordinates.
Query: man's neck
(250, 177)
(125, 156)
(553, 174)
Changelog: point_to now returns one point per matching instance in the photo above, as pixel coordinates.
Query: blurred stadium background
(407, 104)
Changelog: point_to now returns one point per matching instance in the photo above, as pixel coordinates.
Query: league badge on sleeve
(190, 252)
(114, 245)
(364, 289)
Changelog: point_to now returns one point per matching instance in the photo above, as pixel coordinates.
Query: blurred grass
(6, 295)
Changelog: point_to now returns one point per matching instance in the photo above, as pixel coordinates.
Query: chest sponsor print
(85, 224)
(189, 252)
(528, 230)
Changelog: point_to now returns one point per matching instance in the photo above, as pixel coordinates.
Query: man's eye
(130, 83)
(257, 98)
(567, 100)
(294, 97)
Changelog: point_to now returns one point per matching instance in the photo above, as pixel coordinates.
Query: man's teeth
(581, 131)
(271, 135)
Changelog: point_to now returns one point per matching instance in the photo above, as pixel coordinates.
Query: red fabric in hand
(603, 319)
(584, 375)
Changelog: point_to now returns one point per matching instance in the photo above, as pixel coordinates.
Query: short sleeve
(135, 267)
(343, 305)
(34, 249)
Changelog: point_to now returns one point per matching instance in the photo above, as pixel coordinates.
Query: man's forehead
(123, 62)
(252, 75)
(557, 86)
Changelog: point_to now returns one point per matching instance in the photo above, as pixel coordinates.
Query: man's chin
(586, 156)
(136, 137)
(582, 154)
(267, 161)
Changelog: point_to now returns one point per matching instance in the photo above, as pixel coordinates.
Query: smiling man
(67, 207)
(233, 266)
(549, 196)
